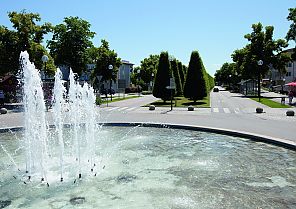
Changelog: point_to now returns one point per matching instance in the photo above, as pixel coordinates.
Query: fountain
(84, 165)
(78, 106)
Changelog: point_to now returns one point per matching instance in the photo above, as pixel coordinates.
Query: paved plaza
(228, 111)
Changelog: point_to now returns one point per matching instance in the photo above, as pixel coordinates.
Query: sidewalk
(277, 97)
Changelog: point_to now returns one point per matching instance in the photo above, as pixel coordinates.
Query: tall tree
(70, 42)
(162, 78)
(28, 35)
(106, 57)
(261, 46)
(195, 85)
(147, 67)
(291, 35)
(175, 71)
(181, 73)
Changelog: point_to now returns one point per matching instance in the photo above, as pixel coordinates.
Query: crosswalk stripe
(111, 109)
(226, 110)
(215, 109)
(131, 109)
(122, 108)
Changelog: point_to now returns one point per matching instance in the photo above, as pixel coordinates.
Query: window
(288, 74)
(289, 64)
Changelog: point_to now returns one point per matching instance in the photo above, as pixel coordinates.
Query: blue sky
(137, 28)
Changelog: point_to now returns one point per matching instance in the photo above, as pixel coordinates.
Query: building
(278, 79)
(123, 78)
(9, 87)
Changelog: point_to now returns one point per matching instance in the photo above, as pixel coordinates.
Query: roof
(126, 62)
(6, 77)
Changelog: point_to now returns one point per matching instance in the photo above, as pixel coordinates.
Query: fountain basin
(152, 167)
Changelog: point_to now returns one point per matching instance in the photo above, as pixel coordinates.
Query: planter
(290, 113)
(190, 108)
(259, 110)
(3, 110)
(151, 107)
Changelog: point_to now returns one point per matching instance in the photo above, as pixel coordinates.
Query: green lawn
(270, 103)
(116, 99)
(183, 102)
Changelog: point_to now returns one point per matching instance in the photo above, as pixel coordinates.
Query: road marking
(215, 109)
(226, 110)
(111, 109)
(236, 110)
(122, 108)
(131, 109)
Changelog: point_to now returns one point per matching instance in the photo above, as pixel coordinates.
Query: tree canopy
(70, 42)
(291, 35)
(162, 78)
(28, 35)
(195, 87)
(263, 47)
(106, 57)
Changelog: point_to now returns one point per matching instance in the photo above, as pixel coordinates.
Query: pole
(259, 87)
(111, 88)
(171, 99)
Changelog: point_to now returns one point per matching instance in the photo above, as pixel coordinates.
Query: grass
(271, 103)
(116, 99)
(183, 102)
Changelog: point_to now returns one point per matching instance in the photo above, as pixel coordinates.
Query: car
(216, 89)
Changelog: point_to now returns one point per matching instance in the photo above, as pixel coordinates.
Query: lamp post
(152, 78)
(110, 67)
(44, 60)
(139, 78)
(283, 83)
(260, 63)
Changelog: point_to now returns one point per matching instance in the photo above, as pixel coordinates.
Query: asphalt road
(229, 111)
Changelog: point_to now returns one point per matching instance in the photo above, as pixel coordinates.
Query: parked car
(216, 89)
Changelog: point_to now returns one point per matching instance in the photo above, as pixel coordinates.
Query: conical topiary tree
(195, 85)
(181, 73)
(162, 78)
(175, 71)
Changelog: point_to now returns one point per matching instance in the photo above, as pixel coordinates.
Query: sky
(137, 28)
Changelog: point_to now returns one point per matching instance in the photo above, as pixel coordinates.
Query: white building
(275, 78)
(123, 78)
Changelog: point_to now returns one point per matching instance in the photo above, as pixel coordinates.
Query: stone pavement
(273, 123)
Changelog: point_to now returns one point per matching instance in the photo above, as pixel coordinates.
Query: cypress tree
(195, 85)
(162, 78)
(181, 73)
(175, 71)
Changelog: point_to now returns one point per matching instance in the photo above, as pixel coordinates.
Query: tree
(162, 78)
(263, 47)
(105, 58)
(147, 67)
(28, 35)
(291, 35)
(181, 73)
(175, 71)
(195, 85)
(70, 42)
(227, 74)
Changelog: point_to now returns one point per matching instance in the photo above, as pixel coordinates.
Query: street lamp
(152, 78)
(283, 83)
(110, 67)
(44, 60)
(260, 63)
(139, 78)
